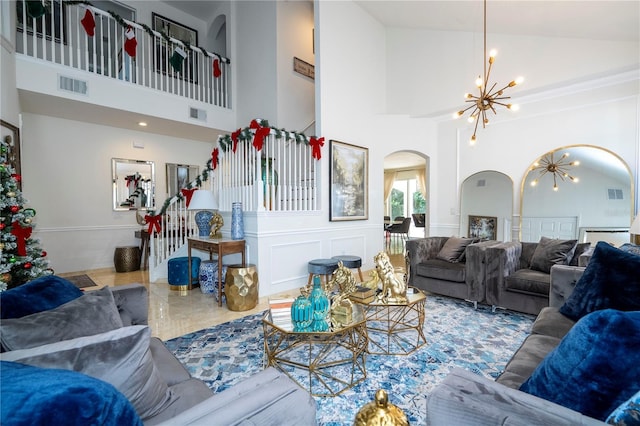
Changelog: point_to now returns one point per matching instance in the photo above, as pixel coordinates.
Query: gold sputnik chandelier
(489, 97)
(559, 169)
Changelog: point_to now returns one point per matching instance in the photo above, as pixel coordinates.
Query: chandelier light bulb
(493, 53)
(478, 83)
(534, 182)
(520, 80)
(514, 107)
(555, 187)
(471, 119)
(472, 141)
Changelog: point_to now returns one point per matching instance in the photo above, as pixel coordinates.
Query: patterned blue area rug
(457, 336)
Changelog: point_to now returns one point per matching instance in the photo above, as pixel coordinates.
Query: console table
(220, 247)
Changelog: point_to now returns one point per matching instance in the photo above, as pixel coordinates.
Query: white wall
(9, 106)
(67, 180)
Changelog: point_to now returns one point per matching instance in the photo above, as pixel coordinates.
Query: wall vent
(197, 114)
(481, 182)
(72, 85)
(615, 194)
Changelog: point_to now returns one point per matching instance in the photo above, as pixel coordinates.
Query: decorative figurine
(380, 412)
(373, 281)
(394, 290)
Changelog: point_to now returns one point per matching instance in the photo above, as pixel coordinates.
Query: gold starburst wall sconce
(489, 97)
(558, 169)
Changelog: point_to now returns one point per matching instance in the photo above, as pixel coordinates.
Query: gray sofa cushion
(551, 252)
(120, 357)
(442, 270)
(92, 313)
(529, 281)
(530, 354)
(453, 249)
(550, 322)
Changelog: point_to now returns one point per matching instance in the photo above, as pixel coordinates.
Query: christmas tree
(21, 258)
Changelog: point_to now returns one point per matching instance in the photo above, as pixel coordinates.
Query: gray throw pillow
(92, 313)
(120, 357)
(453, 249)
(551, 252)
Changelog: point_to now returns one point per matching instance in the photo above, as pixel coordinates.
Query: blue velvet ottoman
(321, 267)
(178, 272)
(351, 262)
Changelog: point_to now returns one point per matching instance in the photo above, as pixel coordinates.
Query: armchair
(461, 276)
(518, 273)
(401, 229)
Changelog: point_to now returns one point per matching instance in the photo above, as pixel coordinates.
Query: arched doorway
(406, 189)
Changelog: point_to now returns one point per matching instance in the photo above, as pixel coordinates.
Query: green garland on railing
(147, 29)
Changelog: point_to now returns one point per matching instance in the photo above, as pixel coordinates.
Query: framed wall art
(11, 136)
(485, 227)
(349, 186)
(177, 31)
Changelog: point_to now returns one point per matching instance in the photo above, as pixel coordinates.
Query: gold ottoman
(241, 287)
(126, 259)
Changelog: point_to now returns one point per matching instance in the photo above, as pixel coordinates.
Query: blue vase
(237, 222)
(301, 313)
(319, 301)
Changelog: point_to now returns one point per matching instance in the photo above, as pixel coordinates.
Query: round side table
(241, 287)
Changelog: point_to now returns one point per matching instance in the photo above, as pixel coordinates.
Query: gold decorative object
(373, 281)
(394, 290)
(126, 259)
(380, 412)
(241, 287)
(216, 222)
(558, 169)
(346, 282)
(488, 97)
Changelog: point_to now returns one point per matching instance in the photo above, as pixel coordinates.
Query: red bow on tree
(234, 138)
(214, 158)
(21, 235)
(261, 133)
(188, 193)
(154, 222)
(316, 144)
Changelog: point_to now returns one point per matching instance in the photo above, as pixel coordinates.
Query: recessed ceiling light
(142, 124)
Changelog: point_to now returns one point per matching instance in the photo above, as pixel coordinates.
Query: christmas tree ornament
(27, 265)
(44, 253)
(11, 194)
(2, 225)
(177, 58)
(12, 259)
(130, 43)
(35, 8)
(1, 246)
(216, 66)
(17, 177)
(88, 22)
(27, 220)
(14, 209)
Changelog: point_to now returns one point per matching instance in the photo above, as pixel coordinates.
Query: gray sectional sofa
(139, 366)
(465, 398)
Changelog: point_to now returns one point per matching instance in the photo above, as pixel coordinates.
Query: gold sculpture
(394, 290)
(373, 281)
(341, 306)
(216, 222)
(380, 412)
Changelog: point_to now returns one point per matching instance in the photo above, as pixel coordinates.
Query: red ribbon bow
(188, 193)
(234, 138)
(261, 133)
(154, 222)
(214, 158)
(316, 144)
(21, 235)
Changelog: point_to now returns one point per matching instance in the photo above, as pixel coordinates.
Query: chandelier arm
(475, 128)
(500, 103)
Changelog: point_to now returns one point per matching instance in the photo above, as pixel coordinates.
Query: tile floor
(172, 313)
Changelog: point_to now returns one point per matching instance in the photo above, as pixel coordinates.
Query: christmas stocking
(177, 58)
(35, 8)
(216, 66)
(130, 42)
(89, 22)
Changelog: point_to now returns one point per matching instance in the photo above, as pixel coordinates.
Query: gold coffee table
(396, 328)
(325, 363)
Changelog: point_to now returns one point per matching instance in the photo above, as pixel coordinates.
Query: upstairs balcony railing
(103, 43)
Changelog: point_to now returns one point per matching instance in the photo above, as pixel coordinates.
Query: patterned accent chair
(462, 278)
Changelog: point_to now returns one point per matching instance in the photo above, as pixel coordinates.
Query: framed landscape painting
(349, 187)
(484, 227)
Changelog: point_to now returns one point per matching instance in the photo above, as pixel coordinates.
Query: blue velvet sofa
(577, 367)
(72, 357)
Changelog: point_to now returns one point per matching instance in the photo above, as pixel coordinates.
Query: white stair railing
(59, 37)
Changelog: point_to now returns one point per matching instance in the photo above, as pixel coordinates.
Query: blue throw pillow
(39, 295)
(626, 414)
(32, 396)
(611, 280)
(594, 369)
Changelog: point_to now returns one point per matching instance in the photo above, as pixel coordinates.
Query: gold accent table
(325, 363)
(396, 328)
(221, 248)
(241, 287)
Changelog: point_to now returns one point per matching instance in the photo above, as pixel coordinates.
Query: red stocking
(130, 43)
(216, 67)
(89, 22)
